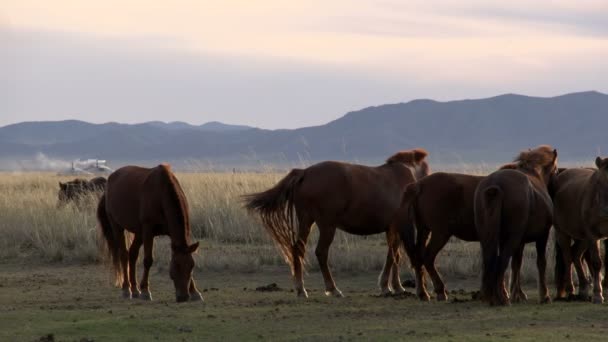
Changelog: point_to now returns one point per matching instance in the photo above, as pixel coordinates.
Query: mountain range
(490, 130)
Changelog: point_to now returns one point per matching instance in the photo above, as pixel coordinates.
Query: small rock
(185, 329)
(268, 288)
(47, 338)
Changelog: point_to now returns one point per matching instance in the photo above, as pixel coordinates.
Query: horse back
(571, 188)
(452, 195)
(356, 197)
(124, 191)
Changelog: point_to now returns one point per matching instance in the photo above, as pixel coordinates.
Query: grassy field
(54, 280)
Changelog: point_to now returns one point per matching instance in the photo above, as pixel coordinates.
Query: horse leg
(541, 264)
(596, 272)
(517, 294)
(148, 240)
(436, 244)
(326, 237)
(605, 281)
(501, 295)
(395, 276)
(383, 280)
(133, 255)
(298, 254)
(584, 286)
(124, 258)
(563, 282)
(422, 237)
(195, 294)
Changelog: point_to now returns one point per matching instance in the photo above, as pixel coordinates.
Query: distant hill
(485, 130)
(212, 126)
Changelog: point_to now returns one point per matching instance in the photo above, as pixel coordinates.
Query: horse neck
(176, 212)
(540, 185)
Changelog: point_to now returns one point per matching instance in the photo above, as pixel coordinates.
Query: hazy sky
(286, 64)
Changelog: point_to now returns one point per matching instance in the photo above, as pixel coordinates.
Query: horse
(76, 189)
(357, 199)
(147, 202)
(450, 194)
(581, 213)
(512, 207)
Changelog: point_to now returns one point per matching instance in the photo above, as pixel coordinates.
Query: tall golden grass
(33, 227)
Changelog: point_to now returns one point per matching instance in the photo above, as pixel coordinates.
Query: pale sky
(286, 64)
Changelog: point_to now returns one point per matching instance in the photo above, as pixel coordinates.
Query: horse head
(180, 270)
(601, 186)
(541, 161)
(414, 159)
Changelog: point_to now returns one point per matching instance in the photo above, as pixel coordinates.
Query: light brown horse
(147, 202)
(358, 199)
(581, 213)
(76, 189)
(513, 207)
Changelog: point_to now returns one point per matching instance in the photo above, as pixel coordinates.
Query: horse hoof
(424, 297)
(546, 300)
(522, 298)
(135, 294)
(383, 293)
(334, 293)
(196, 297)
(598, 299)
(126, 294)
(442, 297)
(399, 290)
(302, 293)
(146, 295)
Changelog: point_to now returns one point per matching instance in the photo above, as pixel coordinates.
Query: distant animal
(581, 213)
(512, 207)
(358, 199)
(147, 202)
(74, 190)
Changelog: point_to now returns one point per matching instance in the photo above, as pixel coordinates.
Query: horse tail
(111, 240)
(407, 223)
(277, 211)
(489, 236)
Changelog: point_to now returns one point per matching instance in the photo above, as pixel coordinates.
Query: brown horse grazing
(358, 199)
(77, 188)
(581, 213)
(513, 207)
(147, 203)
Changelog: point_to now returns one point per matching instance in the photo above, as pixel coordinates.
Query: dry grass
(33, 227)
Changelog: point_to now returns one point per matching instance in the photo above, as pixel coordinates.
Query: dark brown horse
(581, 213)
(76, 189)
(358, 199)
(513, 207)
(147, 203)
(452, 195)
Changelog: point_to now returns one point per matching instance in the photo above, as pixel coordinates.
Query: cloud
(281, 64)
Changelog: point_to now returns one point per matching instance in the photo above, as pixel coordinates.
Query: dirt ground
(78, 303)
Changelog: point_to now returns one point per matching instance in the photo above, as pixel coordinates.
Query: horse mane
(543, 155)
(413, 156)
(177, 196)
(509, 166)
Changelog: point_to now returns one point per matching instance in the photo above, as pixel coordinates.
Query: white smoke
(39, 162)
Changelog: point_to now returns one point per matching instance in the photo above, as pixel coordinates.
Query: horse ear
(598, 162)
(193, 247)
(61, 185)
(554, 155)
(420, 154)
